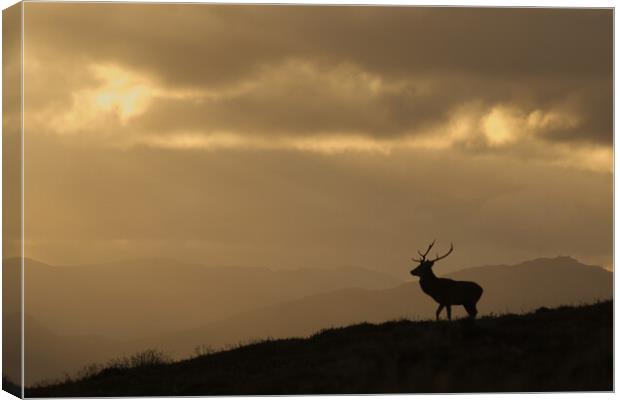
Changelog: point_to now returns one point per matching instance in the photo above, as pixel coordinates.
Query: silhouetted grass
(564, 349)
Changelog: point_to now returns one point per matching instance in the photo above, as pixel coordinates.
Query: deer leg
(449, 310)
(438, 312)
(471, 310)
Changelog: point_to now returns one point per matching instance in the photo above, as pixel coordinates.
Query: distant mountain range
(162, 303)
(129, 299)
(507, 289)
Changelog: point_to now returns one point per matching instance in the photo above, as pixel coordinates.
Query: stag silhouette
(446, 292)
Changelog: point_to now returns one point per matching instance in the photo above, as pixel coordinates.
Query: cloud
(298, 98)
(380, 72)
(281, 135)
(210, 44)
(306, 107)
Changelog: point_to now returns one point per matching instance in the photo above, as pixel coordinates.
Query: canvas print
(221, 199)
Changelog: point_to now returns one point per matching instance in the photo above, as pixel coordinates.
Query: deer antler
(438, 257)
(430, 246)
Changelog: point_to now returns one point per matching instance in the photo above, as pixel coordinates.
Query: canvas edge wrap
(12, 199)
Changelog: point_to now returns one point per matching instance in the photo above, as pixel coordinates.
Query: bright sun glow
(121, 91)
(498, 126)
(118, 96)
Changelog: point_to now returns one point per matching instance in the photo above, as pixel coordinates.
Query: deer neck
(427, 280)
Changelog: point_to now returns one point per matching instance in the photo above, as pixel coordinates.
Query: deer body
(446, 292)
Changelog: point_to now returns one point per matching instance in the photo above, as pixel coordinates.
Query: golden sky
(290, 136)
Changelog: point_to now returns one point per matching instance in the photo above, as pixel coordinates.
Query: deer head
(426, 265)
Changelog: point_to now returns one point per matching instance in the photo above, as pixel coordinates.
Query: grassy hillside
(569, 348)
